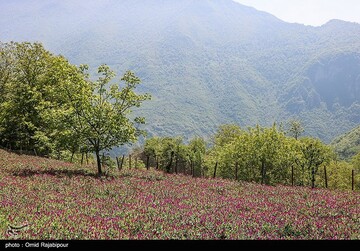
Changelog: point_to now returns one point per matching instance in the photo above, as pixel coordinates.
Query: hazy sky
(309, 12)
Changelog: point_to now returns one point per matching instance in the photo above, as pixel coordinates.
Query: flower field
(63, 201)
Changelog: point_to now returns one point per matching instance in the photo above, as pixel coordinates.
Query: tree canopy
(48, 105)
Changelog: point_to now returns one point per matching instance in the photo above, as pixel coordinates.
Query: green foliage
(101, 117)
(207, 68)
(339, 175)
(313, 154)
(295, 128)
(347, 145)
(172, 155)
(197, 151)
(51, 106)
(259, 154)
(356, 162)
(33, 99)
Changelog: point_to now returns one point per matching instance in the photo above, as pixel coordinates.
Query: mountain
(206, 62)
(347, 145)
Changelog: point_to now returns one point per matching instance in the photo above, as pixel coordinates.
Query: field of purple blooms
(58, 200)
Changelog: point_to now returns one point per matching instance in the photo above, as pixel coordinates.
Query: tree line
(266, 155)
(52, 107)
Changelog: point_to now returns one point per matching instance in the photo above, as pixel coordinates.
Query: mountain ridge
(206, 62)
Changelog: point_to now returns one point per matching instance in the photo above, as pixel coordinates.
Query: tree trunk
(118, 163)
(168, 167)
(313, 178)
(236, 171)
(325, 174)
(58, 155)
(82, 158)
(122, 162)
(176, 164)
(98, 160)
(147, 162)
(263, 172)
(129, 161)
(157, 163)
(72, 156)
(214, 176)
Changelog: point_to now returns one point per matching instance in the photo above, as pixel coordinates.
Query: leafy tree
(31, 84)
(339, 175)
(295, 128)
(168, 151)
(197, 150)
(152, 148)
(226, 134)
(259, 154)
(314, 154)
(102, 117)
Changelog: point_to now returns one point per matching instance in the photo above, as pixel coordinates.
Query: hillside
(208, 62)
(55, 200)
(348, 144)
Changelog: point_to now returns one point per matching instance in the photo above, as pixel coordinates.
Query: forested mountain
(347, 145)
(206, 62)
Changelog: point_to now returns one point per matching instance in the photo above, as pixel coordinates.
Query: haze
(308, 12)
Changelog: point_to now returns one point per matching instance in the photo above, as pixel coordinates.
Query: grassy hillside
(57, 200)
(207, 62)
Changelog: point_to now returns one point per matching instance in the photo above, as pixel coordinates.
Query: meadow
(56, 200)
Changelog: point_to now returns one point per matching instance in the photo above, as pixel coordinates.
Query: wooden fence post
(82, 158)
(236, 171)
(103, 160)
(326, 182)
(216, 164)
(353, 180)
(176, 164)
(122, 162)
(147, 162)
(118, 163)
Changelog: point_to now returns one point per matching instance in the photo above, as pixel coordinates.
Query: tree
(226, 134)
(152, 149)
(31, 83)
(315, 153)
(220, 151)
(101, 115)
(168, 151)
(295, 128)
(197, 149)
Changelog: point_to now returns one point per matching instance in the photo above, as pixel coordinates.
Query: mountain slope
(206, 62)
(348, 144)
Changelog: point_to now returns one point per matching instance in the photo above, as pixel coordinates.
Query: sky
(308, 12)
